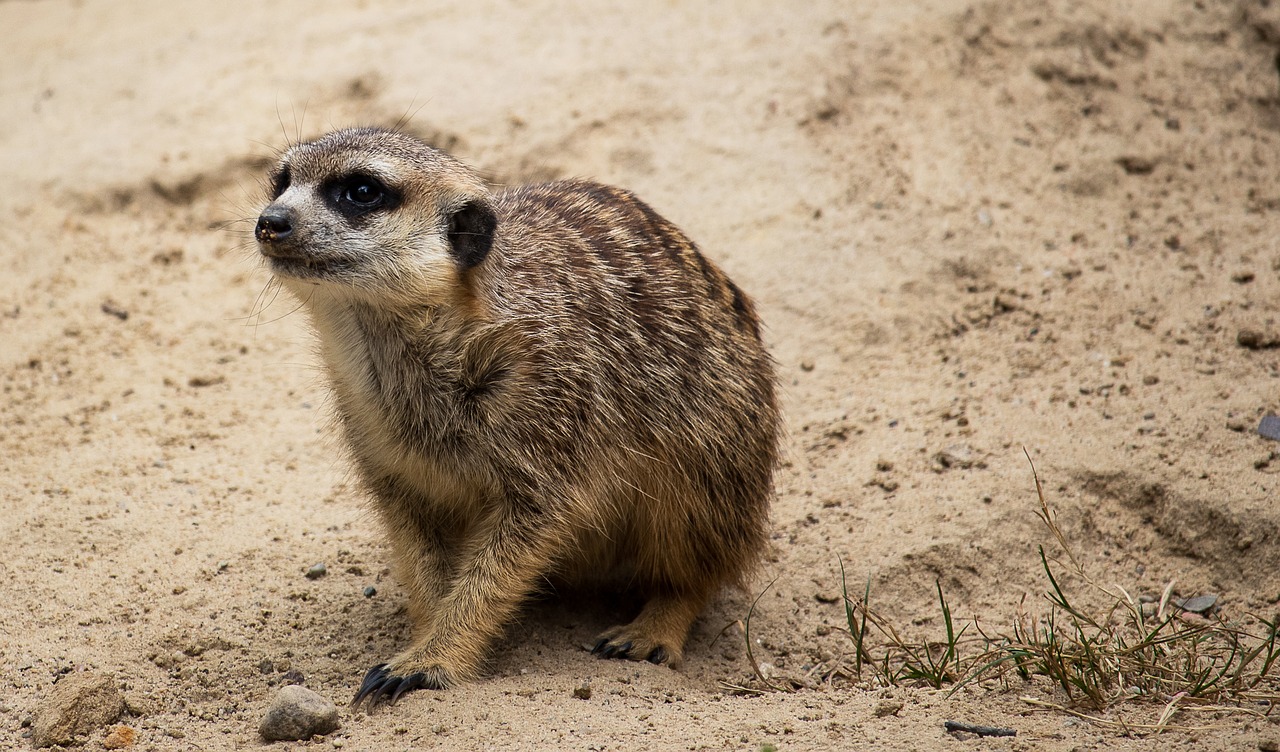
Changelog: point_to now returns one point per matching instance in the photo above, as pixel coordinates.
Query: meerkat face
(374, 213)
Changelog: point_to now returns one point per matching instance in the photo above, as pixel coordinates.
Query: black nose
(273, 225)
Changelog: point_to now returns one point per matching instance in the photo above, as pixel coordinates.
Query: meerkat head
(370, 213)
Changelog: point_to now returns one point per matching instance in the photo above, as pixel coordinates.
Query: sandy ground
(970, 227)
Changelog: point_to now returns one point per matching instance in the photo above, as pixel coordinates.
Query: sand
(971, 228)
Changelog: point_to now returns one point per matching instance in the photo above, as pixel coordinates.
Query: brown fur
(588, 402)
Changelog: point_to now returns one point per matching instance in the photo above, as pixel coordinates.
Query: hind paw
(622, 642)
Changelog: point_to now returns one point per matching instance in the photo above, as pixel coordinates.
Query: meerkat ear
(470, 232)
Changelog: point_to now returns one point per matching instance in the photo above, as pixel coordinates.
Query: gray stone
(1269, 427)
(1199, 604)
(956, 455)
(298, 713)
(78, 705)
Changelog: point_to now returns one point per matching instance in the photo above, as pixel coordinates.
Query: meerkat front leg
(499, 567)
(420, 551)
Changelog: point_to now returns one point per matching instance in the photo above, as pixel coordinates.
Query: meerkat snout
(274, 225)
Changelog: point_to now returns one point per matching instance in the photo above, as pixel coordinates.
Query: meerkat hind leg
(657, 635)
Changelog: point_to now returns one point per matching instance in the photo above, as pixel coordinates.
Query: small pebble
(120, 737)
(1252, 339)
(956, 455)
(112, 308)
(316, 571)
(887, 708)
(78, 705)
(370, 591)
(582, 692)
(298, 713)
(1199, 604)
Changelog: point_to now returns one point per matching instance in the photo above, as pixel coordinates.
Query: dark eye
(364, 192)
(357, 195)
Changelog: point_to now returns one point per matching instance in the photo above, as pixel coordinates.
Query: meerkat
(545, 383)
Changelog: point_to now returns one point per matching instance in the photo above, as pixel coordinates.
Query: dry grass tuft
(1156, 655)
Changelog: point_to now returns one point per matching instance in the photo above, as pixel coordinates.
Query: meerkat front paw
(431, 664)
(383, 684)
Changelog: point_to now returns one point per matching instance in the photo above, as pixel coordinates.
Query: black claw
(372, 681)
(600, 646)
(380, 685)
(617, 651)
(657, 656)
(385, 691)
(408, 684)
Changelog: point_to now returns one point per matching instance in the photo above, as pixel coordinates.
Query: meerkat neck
(353, 324)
